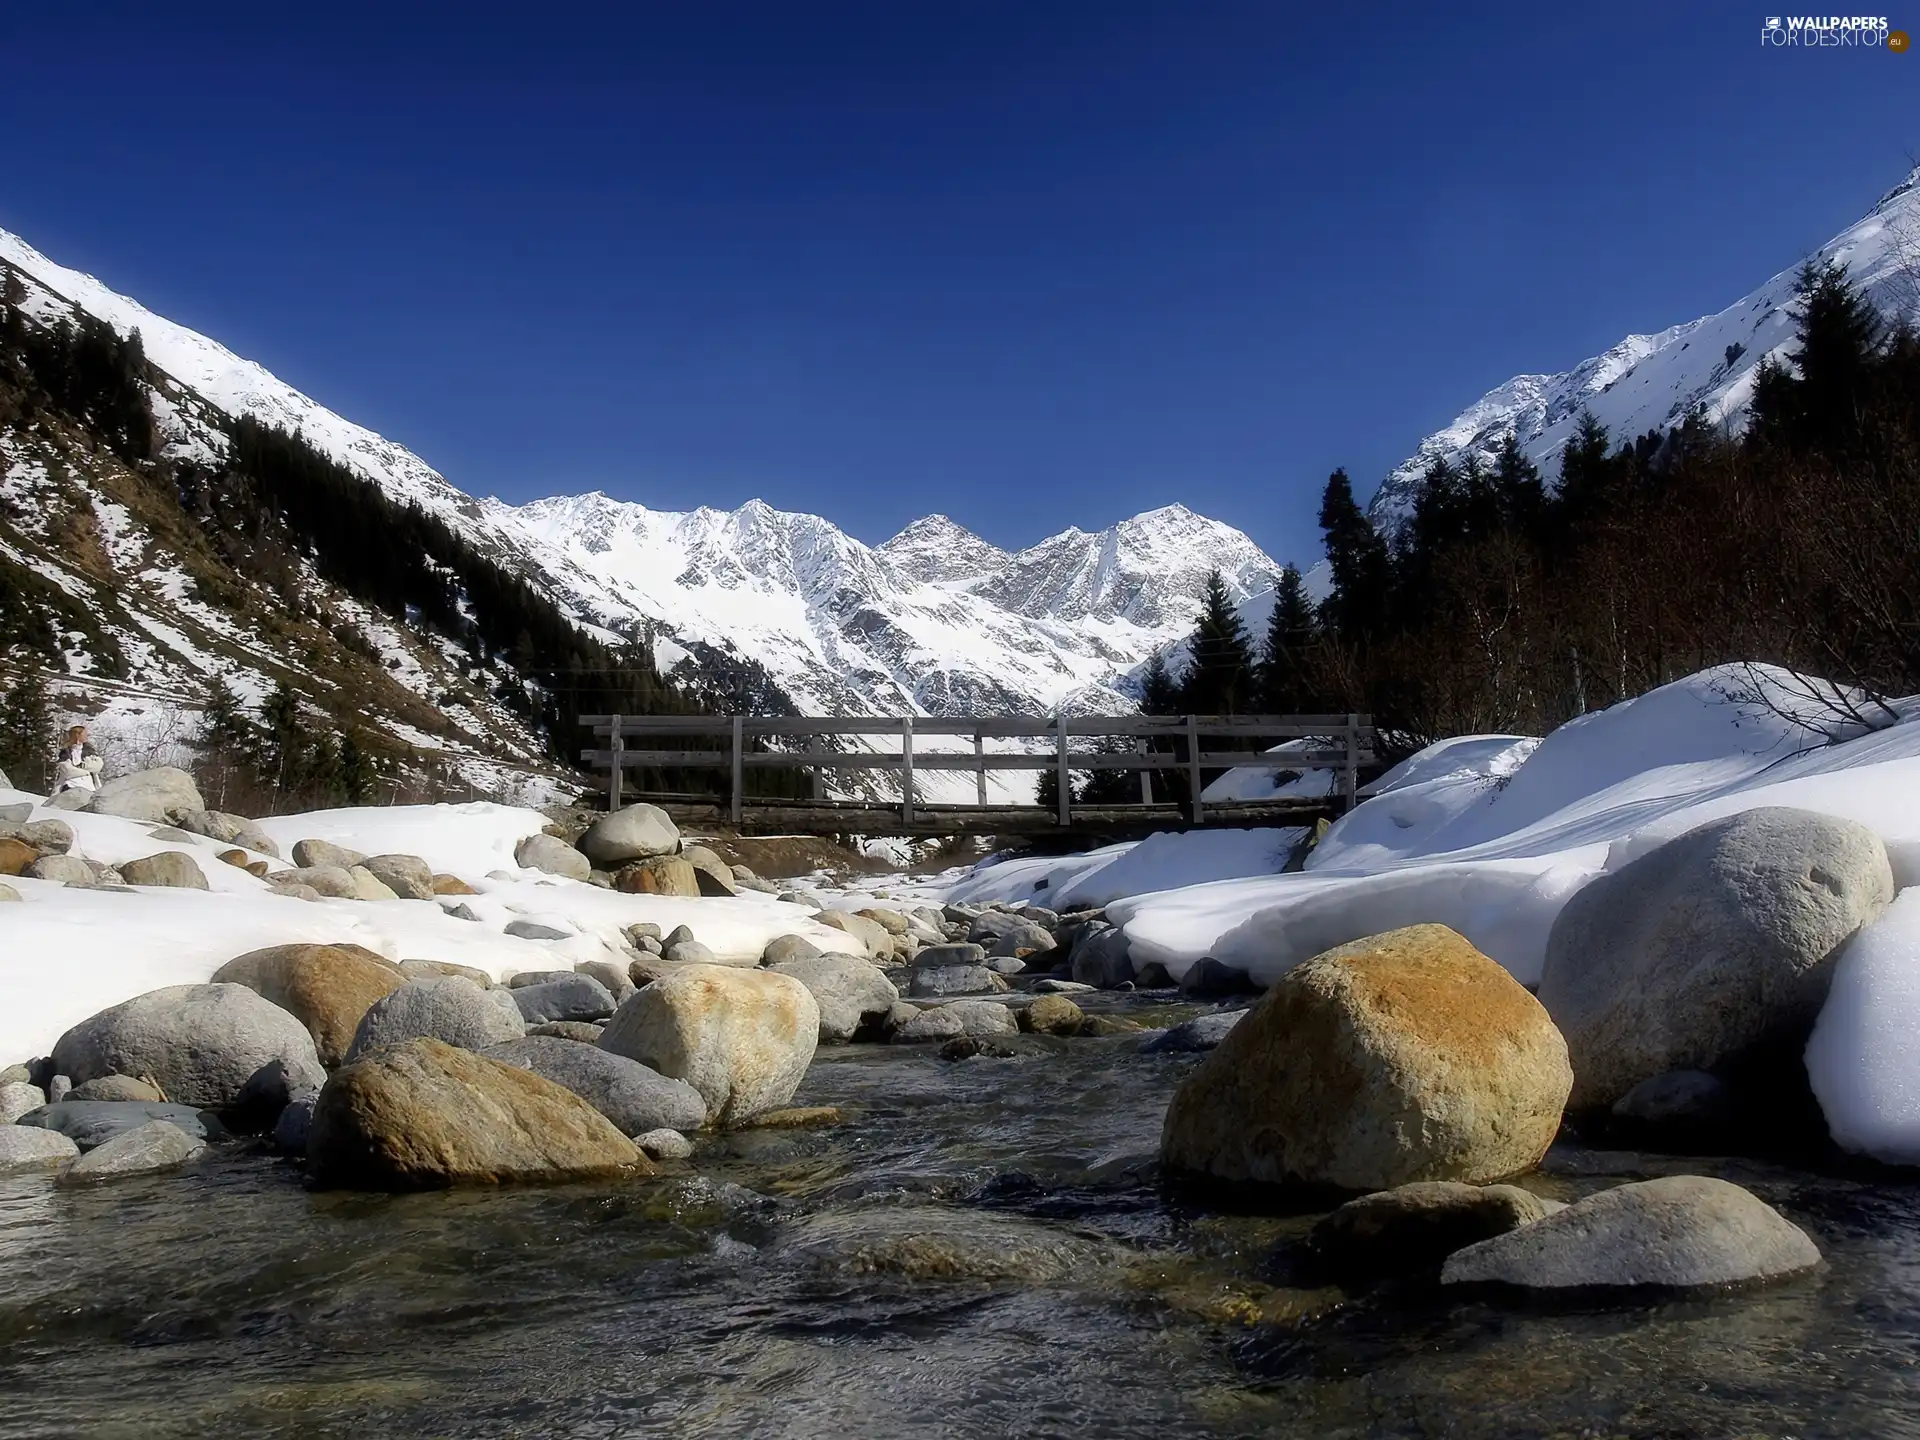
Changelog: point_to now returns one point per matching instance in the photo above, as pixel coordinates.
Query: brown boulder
(452, 885)
(424, 1115)
(658, 875)
(16, 856)
(327, 988)
(1405, 1056)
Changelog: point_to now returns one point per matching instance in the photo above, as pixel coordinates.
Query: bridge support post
(979, 770)
(1349, 772)
(1146, 775)
(906, 771)
(1193, 768)
(814, 743)
(613, 780)
(739, 788)
(1066, 790)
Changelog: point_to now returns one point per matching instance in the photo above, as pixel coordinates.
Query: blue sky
(1031, 264)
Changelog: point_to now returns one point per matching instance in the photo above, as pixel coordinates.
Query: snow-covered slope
(1651, 382)
(936, 620)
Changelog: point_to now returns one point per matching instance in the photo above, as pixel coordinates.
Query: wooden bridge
(1168, 744)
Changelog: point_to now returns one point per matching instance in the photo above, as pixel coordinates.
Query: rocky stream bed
(979, 1247)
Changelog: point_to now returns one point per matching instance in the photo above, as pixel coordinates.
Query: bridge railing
(1349, 745)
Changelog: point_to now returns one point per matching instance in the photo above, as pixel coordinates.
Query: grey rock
(807, 898)
(574, 997)
(462, 911)
(17, 1097)
(534, 930)
(75, 799)
(1051, 986)
(174, 868)
(665, 1144)
(930, 981)
(272, 1088)
(850, 993)
(439, 969)
(1685, 1107)
(229, 830)
(634, 1097)
(27, 1147)
(49, 837)
(21, 1074)
(678, 934)
(1208, 976)
(200, 1044)
(688, 952)
(555, 857)
(535, 977)
(1415, 1227)
(615, 977)
(937, 1022)
(1203, 1032)
(368, 886)
(58, 1088)
(642, 930)
(154, 1147)
(783, 948)
(291, 1127)
(15, 814)
(980, 1019)
(745, 879)
(1709, 948)
(1680, 1232)
(711, 873)
(94, 1122)
(635, 832)
(173, 835)
(1006, 965)
(328, 881)
(407, 876)
(1100, 957)
(324, 855)
(1002, 934)
(649, 945)
(450, 1009)
(160, 796)
(294, 890)
(68, 870)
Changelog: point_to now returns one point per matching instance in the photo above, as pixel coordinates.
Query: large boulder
(570, 996)
(553, 856)
(368, 886)
(163, 796)
(329, 881)
(16, 856)
(872, 935)
(449, 1009)
(742, 1038)
(17, 1097)
(172, 868)
(229, 830)
(1680, 1232)
(975, 1019)
(201, 1044)
(1003, 934)
(327, 988)
(1195, 1036)
(424, 1115)
(636, 832)
(635, 1098)
(407, 876)
(849, 992)
(658, 875)
(68, 870)
(1405, 1056)
(1710, 950)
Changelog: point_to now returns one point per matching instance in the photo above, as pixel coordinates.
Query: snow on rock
(1864, 1057)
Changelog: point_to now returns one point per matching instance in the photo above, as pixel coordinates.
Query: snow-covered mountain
(934, 621)
(757, 600)
(1652, 382)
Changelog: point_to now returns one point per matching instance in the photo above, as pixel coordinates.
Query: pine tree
(26, 726)
(1840, 340)
(1160, 688)
(356, 776)
(1588, 474)
(1220, 680)
(1361, 568)
(1517, 487)
(1284, 684)
(284, 752)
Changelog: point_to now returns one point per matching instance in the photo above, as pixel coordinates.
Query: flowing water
(982, 1248)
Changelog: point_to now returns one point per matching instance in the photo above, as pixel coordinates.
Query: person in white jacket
(78, 766)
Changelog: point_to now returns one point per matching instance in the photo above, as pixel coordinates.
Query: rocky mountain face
(755, 607)
(1650, 383)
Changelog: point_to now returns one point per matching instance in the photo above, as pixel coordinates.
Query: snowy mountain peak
(1649, 383)
(936, 550)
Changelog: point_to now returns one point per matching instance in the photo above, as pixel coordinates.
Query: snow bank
(1165, 860)
(67, 954)
(1864, 1057)
(1491, 834)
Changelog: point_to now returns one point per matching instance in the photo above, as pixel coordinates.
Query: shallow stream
(982, 1248)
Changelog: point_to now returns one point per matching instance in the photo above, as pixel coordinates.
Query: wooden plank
(1063, 796)
(1193, 767)
(980, 766)
(952, 760)
(993, 727)
(906, 770)
(739, 781)
(615, 770)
